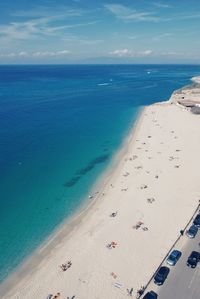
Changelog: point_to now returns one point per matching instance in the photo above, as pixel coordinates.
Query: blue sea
(60, 126)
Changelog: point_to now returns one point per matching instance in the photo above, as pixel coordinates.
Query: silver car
(173, 257)
(192, 231)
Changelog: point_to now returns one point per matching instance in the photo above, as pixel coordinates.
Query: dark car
(173, 257)
(193, 259)
(196, 221)
(150, 295)
(161, 275)
(192, 231)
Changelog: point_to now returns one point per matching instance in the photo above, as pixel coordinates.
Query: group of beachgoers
(51, 296)
(66, 266)
(57, 296)
(113, 244)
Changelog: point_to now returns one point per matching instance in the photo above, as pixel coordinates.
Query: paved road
(183, 282)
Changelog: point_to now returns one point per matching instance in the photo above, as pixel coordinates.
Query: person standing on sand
(130, 292)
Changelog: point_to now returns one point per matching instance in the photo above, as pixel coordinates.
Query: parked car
(193, 259)
(161, 275)
(150, 295)
(173, 257)
(192, 231)
(196, 221)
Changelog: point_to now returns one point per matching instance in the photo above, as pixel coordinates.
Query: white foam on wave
(103, 84)
(149, 86)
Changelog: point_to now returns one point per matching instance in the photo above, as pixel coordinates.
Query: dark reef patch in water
(91, 165)
(72, 182)
(86, 169)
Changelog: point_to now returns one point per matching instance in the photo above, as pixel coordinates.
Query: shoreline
(124, 187)
(69, 226)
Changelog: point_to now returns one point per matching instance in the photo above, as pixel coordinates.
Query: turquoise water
(59, 128)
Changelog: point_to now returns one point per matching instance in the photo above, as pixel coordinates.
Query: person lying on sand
(126, 174)
(56, 296)
(138, 225)
(150, 200)
(145, 228)
(113, 214)
(143, 186)
(113, 275)
(139, 167)
(112, 245)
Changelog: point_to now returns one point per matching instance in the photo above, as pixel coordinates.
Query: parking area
(182, 281)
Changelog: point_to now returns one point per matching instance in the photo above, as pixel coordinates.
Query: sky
(94, 31)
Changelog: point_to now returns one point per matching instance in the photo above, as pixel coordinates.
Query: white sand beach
(153, 191)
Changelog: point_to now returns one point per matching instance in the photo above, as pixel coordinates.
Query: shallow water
(59, 128)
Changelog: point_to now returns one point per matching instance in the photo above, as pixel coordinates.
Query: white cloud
(181, 17)
(188, 17)
(25, 30)
(162, 5)
(43, 11)
(171, 53)
(36, 54)
(50, 53)
(23, 53)
(41, 23)
(127, 14)
(146, 53)
(130, 53)
(121, 53)
(161, 36)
